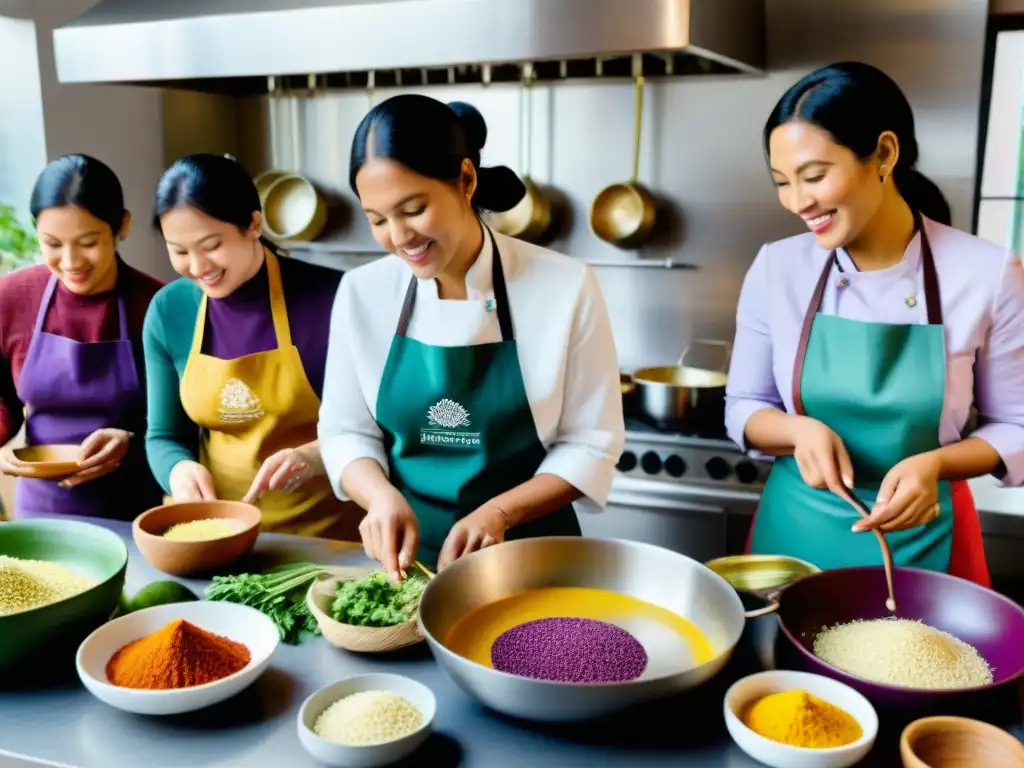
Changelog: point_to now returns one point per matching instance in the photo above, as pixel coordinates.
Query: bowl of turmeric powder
(790, 719)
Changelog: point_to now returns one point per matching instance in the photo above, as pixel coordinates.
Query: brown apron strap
(406, 314)
(932, 295)
(932, 298)
(805, 332)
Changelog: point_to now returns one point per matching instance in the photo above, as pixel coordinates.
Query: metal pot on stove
(683, 395)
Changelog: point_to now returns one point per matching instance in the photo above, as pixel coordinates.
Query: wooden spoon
(430, 574)
(862, 508)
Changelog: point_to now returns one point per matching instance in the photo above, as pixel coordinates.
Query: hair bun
(499, 189)
(473, 123)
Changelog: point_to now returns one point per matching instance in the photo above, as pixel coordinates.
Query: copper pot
(624, 214)
(533, 218)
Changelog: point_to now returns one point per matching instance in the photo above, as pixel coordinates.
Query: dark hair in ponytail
(856, 103)
(83, 182)
(217, 185)
(432, 138)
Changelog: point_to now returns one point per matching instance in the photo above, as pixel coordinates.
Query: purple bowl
(993, 624)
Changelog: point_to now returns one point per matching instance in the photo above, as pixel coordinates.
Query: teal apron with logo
(458, 427)
(880, 388)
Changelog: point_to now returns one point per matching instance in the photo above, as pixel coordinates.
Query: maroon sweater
(82, 318)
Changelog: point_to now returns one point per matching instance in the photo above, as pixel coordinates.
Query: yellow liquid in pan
(672, 642)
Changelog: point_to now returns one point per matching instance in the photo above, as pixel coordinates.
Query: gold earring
(881, 174)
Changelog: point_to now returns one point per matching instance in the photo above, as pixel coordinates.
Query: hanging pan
(533, 217)
(624, 214)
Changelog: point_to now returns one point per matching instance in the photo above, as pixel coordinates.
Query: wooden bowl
(46, 462)
(958, 742)
(349, 636)
(183, 558)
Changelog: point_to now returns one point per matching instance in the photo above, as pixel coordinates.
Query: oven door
(689, 519)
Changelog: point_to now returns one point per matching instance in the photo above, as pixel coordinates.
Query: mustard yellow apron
(251, 407)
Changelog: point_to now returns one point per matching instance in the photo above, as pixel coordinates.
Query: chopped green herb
(373, 601)
(279, 593)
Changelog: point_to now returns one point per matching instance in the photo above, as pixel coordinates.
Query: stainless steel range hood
(141, 41)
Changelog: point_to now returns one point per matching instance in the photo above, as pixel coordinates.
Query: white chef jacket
(564, 341)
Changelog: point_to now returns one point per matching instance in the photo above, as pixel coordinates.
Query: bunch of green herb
(373, 601)
(279, 593)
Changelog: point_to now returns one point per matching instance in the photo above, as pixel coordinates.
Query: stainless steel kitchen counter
(63, 724)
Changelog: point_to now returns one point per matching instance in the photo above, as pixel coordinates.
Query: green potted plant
(18, 244)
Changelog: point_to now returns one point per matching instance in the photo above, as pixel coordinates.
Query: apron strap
(44, 305)
(278, 308)
(932, 299)
(500, 297)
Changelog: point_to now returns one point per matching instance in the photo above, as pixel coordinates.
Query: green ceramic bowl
(58, 628)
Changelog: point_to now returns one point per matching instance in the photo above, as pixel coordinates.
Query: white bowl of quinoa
(367, 720)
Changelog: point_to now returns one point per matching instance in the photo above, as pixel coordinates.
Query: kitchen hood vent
(234, 45)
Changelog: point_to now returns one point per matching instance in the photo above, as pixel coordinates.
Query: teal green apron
(880, 388)
(458, 427)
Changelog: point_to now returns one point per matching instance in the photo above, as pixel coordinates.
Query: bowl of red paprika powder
(178, 657)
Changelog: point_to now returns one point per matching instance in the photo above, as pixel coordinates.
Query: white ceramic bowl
(778, 755)
(369, 755)
(235, 622)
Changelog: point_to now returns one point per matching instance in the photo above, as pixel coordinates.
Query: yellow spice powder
(800, 719)
(203, 530)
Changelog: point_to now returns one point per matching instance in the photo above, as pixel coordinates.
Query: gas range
(709, 459)
(695, 494)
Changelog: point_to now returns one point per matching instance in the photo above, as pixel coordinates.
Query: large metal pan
(679, 394)
(659, 576)
(990, 622)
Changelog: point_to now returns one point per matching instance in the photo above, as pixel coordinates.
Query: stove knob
(651, 462)
(675, 466)
(718, 468)
(627, 462)
(746, 472)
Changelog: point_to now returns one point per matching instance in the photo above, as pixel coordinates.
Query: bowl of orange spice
(176, 658)
(790, 719)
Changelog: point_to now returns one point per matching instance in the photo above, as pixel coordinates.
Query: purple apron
(70, 389)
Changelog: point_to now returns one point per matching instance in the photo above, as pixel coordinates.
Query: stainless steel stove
(694, 494)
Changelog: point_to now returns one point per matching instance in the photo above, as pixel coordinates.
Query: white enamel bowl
(778, 755)
(236, 622)
(369, 755)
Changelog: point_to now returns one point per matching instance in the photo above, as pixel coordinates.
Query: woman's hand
(285, 470)
(484, 527)
(390, 532)
(908, 496)
(821, 456)
(191, 481)
(101, 453)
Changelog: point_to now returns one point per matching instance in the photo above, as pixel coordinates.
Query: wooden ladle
(862, 508)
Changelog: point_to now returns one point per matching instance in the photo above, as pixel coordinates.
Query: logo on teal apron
(444, 418)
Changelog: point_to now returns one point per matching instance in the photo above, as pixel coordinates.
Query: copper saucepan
(533, 218)
(624, 214)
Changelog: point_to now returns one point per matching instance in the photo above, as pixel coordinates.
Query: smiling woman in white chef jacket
(472, 388)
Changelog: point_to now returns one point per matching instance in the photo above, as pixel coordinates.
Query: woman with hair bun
(71, 349)
(472, 389)
(862, 345)
(235, 351)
